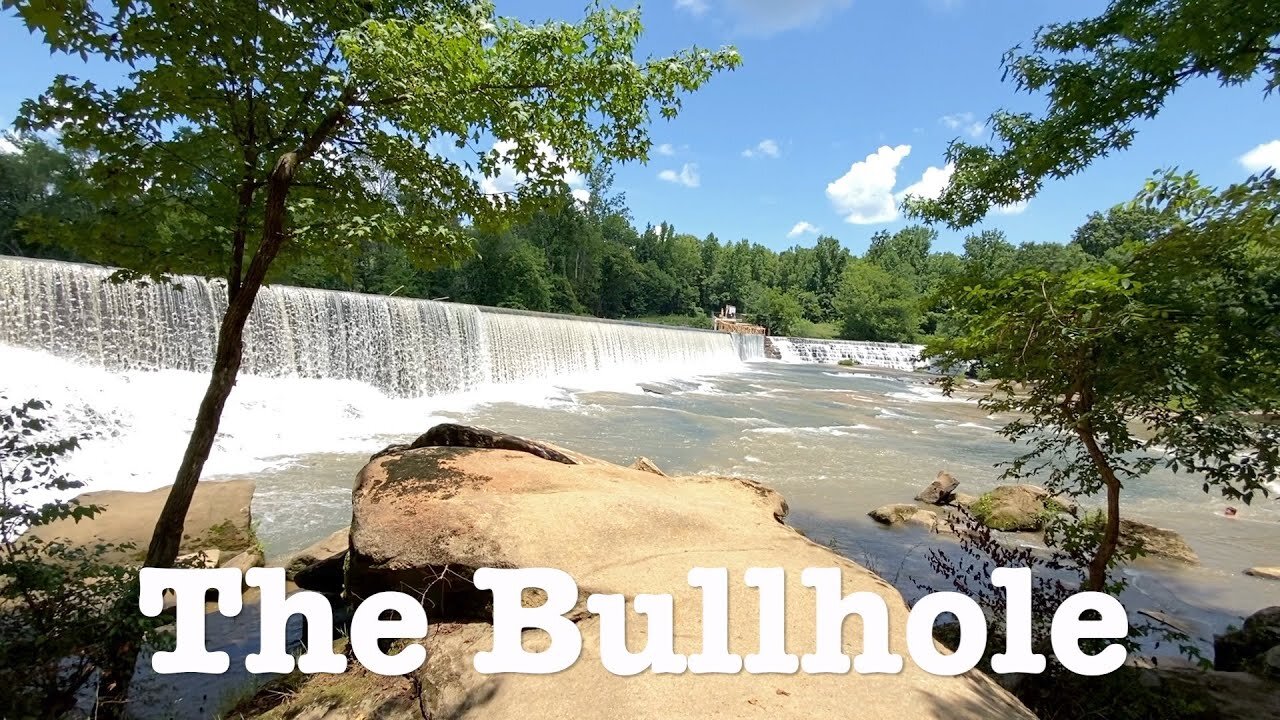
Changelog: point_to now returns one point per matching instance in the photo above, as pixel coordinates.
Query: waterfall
(872, 354)
(403, 347)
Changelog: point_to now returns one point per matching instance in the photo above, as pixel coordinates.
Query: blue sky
(825, 84)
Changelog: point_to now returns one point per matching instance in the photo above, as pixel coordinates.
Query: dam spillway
(403, 347)
(896, 356)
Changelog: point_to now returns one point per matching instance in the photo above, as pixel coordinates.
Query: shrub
(1056, 694)
(62, 607)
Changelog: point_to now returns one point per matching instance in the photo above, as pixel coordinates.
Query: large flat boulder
(424, 519)
(220, 518)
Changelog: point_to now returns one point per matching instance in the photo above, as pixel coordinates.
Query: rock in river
(1013, 508)
(1156, 542)
(941, 490)
(424, 519)
(905, 513)
(1246, 648)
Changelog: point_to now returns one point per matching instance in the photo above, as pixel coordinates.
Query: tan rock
(219, 517)
(904, 513)
(1156, 542)
(246, 560)
(1268, 573)
(424, 519)
(941, 490)
(644, 464)
(321, 566)
(963, 500)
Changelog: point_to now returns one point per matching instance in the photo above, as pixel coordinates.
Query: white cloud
(7, 147)
(931, 183)
(864, 195)
(508, 180)
(688, 176)
(965, 123)
(666, 149)
(1266, 155)
(1015, 209)
(696, 7)
(766, 17)
(764, 148)
(803, 228)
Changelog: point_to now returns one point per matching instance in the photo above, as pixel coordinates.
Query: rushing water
(885, 355)
(337, 376)
(403, 347)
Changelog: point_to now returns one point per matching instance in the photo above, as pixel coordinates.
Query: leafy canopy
(396, 112)
(1101, 76)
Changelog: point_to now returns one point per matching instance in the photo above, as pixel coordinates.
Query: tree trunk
(165, 540)
(1097, 579)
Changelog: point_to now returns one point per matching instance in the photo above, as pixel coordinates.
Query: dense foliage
(63, 607)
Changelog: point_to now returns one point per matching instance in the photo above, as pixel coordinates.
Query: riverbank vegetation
(589, 258)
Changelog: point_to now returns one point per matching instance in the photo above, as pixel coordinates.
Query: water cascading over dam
(873, 354)
(403, 347)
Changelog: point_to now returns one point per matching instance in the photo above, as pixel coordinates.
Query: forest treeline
(590, 258)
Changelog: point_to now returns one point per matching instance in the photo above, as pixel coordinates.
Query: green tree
(1174, 348)
(904, 253)
(1102, 75)
(299, 130)
(777, 311)
(1101, 234)
(1050, 256)
(34, 181)
(876, 305)
(509, 272)
(829, 261)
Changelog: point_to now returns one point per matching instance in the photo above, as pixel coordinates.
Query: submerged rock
(424, 519)
(1267, 573)
(904, 513)
(941, 490)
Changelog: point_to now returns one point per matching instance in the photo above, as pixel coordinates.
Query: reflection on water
(836, 444)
